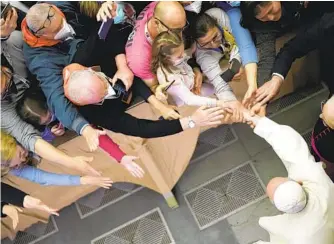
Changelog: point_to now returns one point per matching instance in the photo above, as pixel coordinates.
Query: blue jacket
(47, 64)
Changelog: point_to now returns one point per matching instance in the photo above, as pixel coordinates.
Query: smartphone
(104, 29)
(5, 8)
(123, 93)
(235, 66)
(119, 86)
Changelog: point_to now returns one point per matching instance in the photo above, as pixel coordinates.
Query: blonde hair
(89, 8)
(8, 150)
(162, 48)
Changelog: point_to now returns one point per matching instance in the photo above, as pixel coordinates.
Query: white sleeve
(180, 90)
(286, 142)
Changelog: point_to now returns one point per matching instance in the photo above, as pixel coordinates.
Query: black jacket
(319, 34)
(294, 15)
(11, 195)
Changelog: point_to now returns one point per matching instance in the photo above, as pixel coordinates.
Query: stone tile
(302, 116)
(215, 164)
(252, 143)
(245, 223)
(268, 165)
(185, 230)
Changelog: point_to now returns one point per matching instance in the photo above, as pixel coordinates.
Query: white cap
(290, 197)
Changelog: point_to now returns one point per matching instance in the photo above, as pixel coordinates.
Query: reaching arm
(23, 132)
(109, 146)
(266, 47)
(286, 142)
(305, 41)
(51, 82)
(211, 68)
(182, 92)
(242, 37)
(11, 195)
(46, 178)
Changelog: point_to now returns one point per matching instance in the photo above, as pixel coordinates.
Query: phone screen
(104, 29)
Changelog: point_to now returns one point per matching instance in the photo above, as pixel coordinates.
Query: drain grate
(149, 228)
(286, 102)
(35, 233)
(107, 197)
(225, 195)
(213, 140)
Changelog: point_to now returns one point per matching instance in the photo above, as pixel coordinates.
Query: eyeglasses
(218, 37)
(105, 78)
(47, 22)
(9, 84)
(176, 30)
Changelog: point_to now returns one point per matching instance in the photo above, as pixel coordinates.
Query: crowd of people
(79, 65)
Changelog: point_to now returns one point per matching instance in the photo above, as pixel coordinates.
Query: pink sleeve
(139, 61)
(110, 147)
(182, 92)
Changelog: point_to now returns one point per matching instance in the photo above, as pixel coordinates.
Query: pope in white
(306, 196)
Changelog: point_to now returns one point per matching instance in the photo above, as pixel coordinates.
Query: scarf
(38, 41)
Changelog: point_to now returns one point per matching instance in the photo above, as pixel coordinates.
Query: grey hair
(36, 15)
(81, 75)
(76, 78)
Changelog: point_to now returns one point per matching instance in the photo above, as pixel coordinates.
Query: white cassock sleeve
(288, 144)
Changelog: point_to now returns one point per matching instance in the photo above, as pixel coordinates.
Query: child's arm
(181, 91)
(110, 147)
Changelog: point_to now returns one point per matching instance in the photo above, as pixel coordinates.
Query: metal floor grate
(149, 228)
(284, 103)
(107, 197)
(213, 140)
(225, 195)
(35, 233)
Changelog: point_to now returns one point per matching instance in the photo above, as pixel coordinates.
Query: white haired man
(306, 196)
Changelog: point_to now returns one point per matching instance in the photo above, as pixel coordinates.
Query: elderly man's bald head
(328, 112)
(171, 14)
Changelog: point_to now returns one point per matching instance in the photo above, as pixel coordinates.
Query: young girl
(33, 109)
(17, 161)
(175, 76)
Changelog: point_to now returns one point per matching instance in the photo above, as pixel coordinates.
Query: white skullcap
(290, 197)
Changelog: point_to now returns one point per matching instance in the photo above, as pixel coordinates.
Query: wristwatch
(191, 123)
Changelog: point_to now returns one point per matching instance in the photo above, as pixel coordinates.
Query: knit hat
(290, 197)
(81, 90)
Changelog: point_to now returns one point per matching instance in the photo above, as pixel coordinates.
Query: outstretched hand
(35, 203)
(12, 212)
(92, 136)
(134, 169)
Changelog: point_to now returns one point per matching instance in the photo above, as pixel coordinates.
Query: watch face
(192, 124)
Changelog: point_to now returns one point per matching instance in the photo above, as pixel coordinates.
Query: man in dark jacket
(319, 34)
(269, 20)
